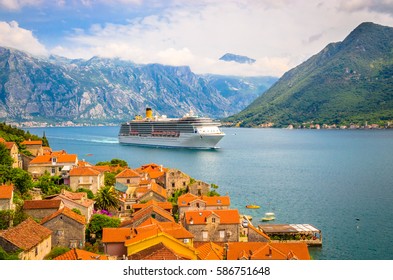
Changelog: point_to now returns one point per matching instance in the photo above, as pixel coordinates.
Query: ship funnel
(149, 113)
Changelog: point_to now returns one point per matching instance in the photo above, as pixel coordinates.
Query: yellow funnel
(149, 113)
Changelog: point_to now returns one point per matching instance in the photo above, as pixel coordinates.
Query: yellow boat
(252, 206)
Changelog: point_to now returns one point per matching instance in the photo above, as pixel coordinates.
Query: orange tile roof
(157, 252)
(26, 235)
(60, 152)
(78, 254)
(158, 189)
(154, 170)
(229, 216)
(102, 168)
(62, 158)
(41, 204)
(148, 212)
(83, 163)
(66, 212)
(128, 173)
(171, 228)
(84, 171)
(30, 142)
(267, 251)
(9, 145)
(74, 195)
(6, 191)
(210, 251)
(186, 199)
(84, 202)
(115, 235)
(164, 205)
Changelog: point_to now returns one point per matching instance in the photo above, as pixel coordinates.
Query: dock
(293, 233)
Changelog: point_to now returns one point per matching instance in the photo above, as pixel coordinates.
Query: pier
(293, 233)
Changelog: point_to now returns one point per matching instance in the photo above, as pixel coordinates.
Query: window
(205, 235)
(184, 184)
(128, 181)
(173, 185)
(186, 240)
(222, 234)
(213, 220)
(36, 251)
(60, 233)
(53, 170)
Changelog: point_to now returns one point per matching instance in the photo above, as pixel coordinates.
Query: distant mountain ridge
(111, 90)
(237, 58)
(349, 82)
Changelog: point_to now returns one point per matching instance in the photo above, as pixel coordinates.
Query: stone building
(175, 180)
(68, 228)
(199, 188)
(38, 209)
(213, 225)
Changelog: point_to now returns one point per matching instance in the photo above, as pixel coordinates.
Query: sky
(278, 34)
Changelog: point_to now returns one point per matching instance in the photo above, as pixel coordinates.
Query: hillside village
(75, 210)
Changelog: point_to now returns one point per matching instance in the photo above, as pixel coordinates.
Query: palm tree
(106, 198)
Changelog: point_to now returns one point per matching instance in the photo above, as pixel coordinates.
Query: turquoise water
(340, 181)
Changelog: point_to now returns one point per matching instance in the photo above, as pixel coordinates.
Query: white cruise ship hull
(184, 140)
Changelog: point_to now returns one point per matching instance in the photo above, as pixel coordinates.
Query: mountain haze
(110, 90)
(347, 82)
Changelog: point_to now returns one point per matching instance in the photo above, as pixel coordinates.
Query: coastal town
(76, 210)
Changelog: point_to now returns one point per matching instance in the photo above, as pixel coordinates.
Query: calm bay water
(340, 181)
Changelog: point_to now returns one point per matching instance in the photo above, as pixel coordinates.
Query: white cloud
(11, 35)
(18, 4)
(279, 34)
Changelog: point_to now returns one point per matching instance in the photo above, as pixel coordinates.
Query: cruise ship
(187, 132)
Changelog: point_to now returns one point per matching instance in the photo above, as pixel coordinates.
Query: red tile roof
(186, 199)
(128, 173)
(6, 191)
(84, 171)
(116, 235)
(153, 170)
(267, 251)
(164, 205)
(26, 235)
(157, 252)
(229, 216)
(210, 251)
(42, 204)
(171, 228)
(66, 212)
(77, 254)
(148, 211)
(62, 158)
(30, 142)
(9, 145)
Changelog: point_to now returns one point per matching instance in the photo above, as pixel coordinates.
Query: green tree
(5, 157)
(21, 179)
(8, 256)
(110, 179)
(98, 222)
(106, 198)
(213, 191)
(90, 194)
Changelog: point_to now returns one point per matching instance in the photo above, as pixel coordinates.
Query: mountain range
(55, 89)
(348, 82)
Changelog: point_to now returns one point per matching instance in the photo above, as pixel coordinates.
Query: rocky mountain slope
(349, 82)
(111, 90)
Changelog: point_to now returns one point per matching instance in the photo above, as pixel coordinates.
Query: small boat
(252, 206)
(269, 216)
